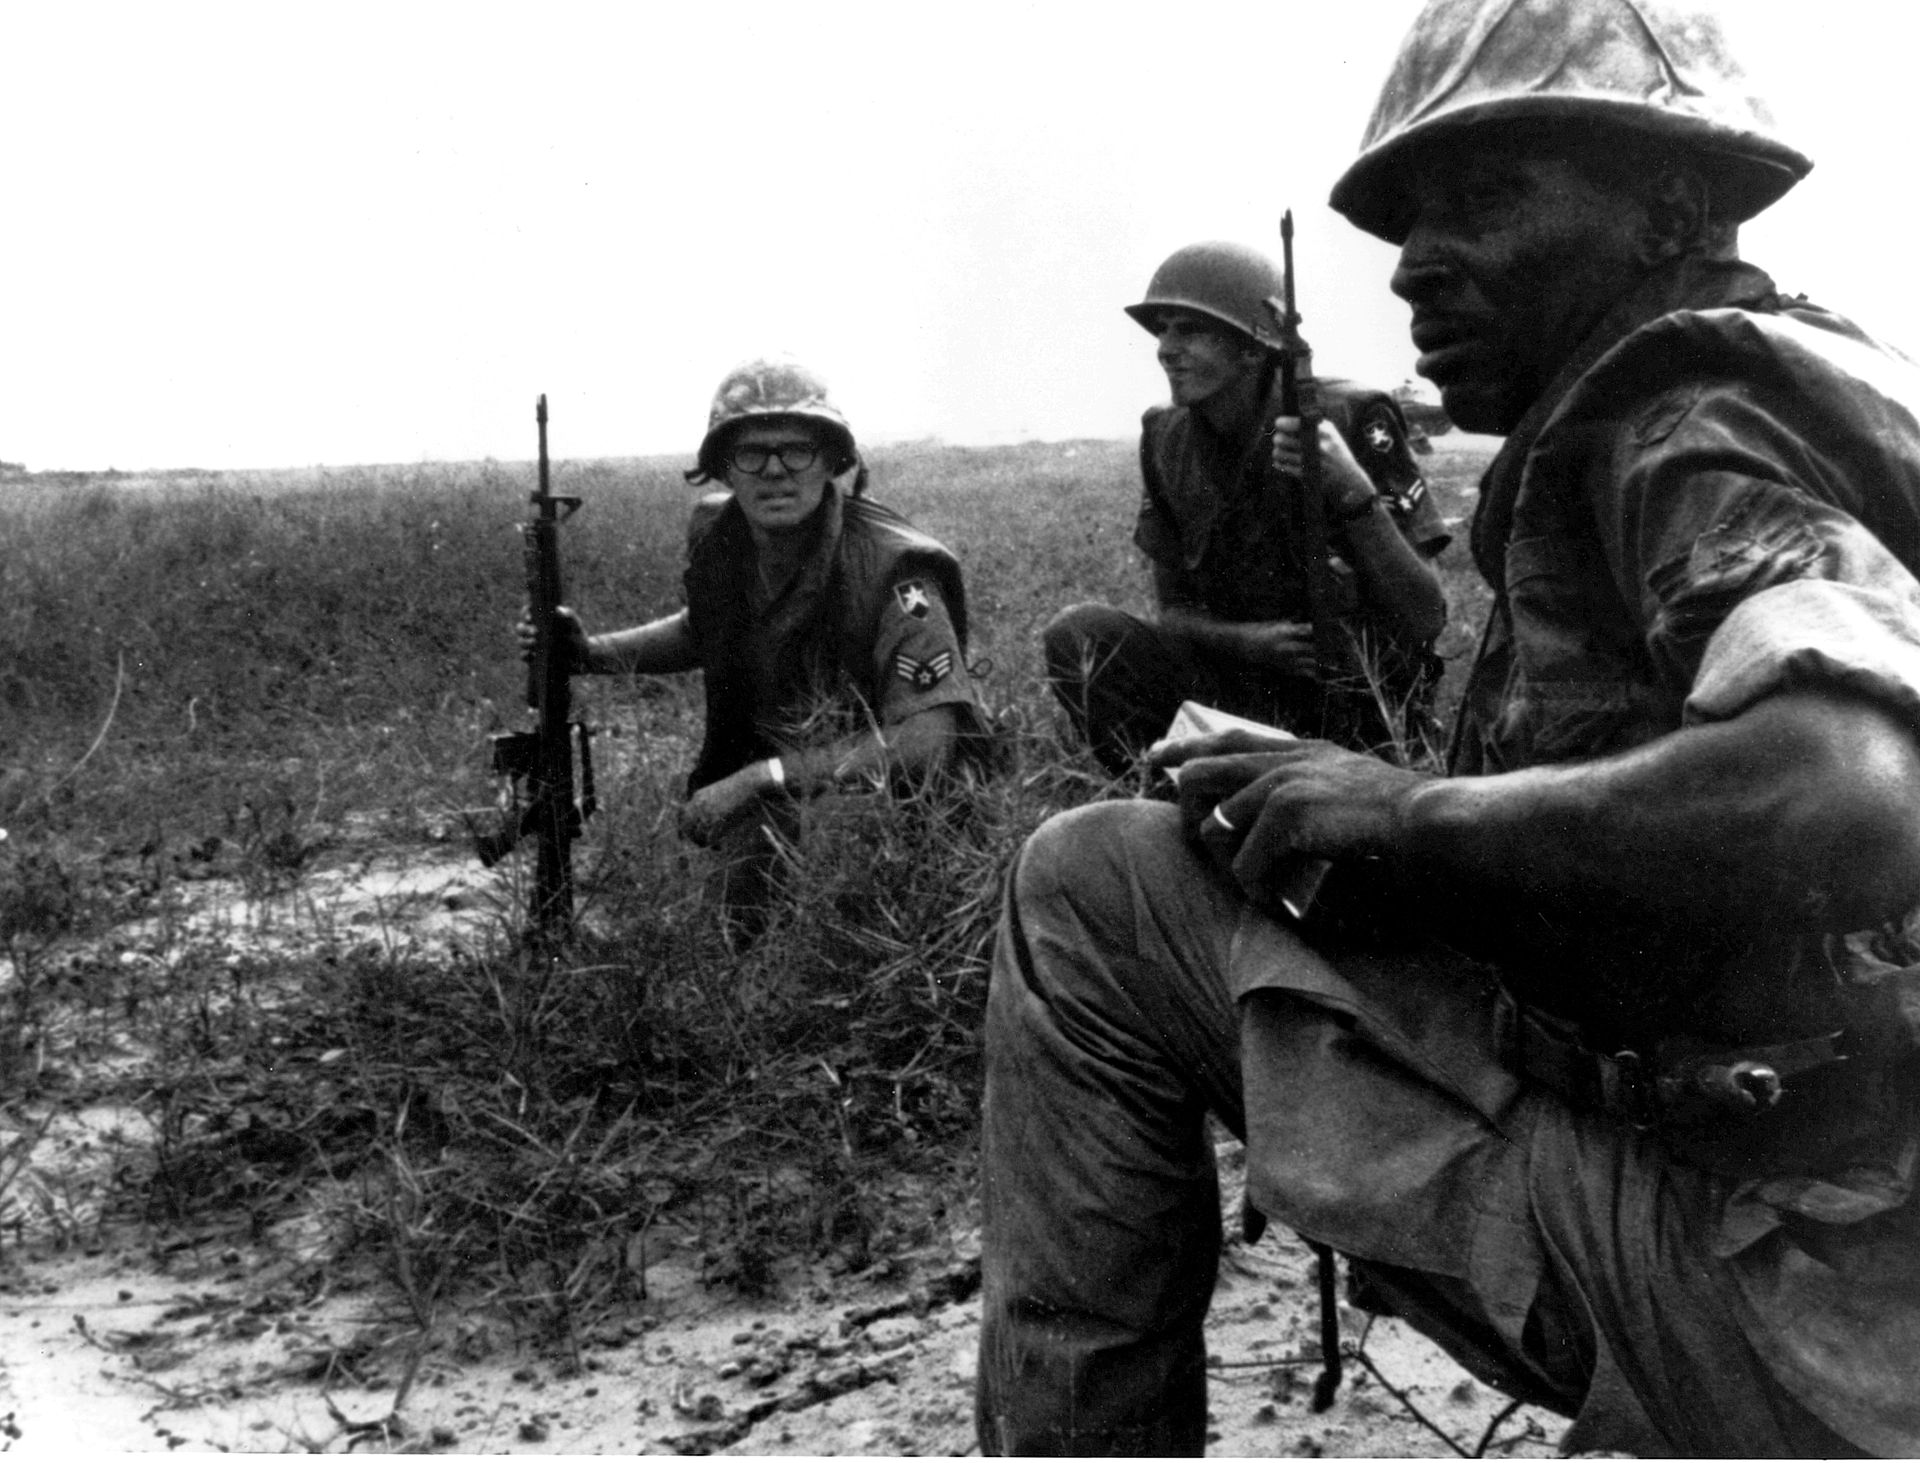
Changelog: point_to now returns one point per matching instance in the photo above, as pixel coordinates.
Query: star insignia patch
(923, 675)
(1379, 436)
(912, 595)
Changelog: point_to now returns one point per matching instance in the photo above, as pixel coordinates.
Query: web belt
(1679, 1074)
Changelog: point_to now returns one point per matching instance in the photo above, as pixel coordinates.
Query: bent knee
(1090, 847)
(1067, 637)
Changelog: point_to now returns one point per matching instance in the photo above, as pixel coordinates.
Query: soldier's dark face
(1513, 258)
(1201, 357)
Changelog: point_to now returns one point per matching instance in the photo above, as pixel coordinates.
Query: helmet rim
(800, 395)
(1218, 279)
(1745, 173)
(1641, 69)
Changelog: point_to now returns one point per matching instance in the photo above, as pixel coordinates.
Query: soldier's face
(1512, 260)
(1201, 357)
(776, 499)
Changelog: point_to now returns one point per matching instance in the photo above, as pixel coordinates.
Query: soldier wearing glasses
(831, 631)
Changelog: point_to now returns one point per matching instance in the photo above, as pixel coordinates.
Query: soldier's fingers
(1271, 841)
(1171, 752)
(1219, 836)
(1210, 780)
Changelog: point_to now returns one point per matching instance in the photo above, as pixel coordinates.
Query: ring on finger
(1222, 819)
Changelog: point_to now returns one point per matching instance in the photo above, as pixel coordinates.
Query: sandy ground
(227, 1340)
(203, 1346)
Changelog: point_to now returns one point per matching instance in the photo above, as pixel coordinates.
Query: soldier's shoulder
(889, 528)
(1163, 426)
(706, 516)
(1355, 398)
(1161, 418)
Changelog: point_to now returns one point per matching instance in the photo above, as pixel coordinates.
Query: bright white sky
(258, 235)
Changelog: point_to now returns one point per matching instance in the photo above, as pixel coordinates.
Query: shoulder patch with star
(911, 595)
(1379, 433)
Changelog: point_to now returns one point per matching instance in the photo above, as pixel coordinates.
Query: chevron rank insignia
(923, 675)
(912, 595)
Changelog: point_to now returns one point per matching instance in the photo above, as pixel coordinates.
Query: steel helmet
(1637, 65)
(772, 386)
(1229, 282)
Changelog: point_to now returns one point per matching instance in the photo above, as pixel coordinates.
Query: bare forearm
(658, 648)
(1794, 815)
(1396, 578)
(1208, 633)
(915, 747)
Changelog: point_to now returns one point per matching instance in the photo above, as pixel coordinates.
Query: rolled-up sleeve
(1812, 633)
(1753, 580)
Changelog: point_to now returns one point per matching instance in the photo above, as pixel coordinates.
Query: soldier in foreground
(1597, 1057)
(1221, 525)
(832, 632)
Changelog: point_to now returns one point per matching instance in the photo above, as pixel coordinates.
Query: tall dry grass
(278, 658)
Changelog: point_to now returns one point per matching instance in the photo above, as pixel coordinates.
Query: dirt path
(206, 1347)
(138, 1339)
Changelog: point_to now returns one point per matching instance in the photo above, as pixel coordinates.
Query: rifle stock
(539, 763)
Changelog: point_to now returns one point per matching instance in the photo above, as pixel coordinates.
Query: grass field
(243, 674)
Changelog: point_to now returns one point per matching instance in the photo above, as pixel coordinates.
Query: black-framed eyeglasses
(794, 457)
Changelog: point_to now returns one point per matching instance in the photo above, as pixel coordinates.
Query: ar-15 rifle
(541, 761)
(1300, 397)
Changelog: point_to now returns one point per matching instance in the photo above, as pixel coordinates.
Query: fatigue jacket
(874, 625)
(1714, 504)
(1228, 534)
(1717, 501)
(1226, 526)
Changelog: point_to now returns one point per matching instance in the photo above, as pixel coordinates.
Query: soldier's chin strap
(1253, 1224)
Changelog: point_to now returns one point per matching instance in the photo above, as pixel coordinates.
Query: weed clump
(288, 669)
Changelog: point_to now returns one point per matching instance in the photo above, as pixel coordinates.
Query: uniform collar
(1685, 284)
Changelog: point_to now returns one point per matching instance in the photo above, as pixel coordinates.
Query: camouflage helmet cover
(1230, 283)
(772, 387)
(1638, 65)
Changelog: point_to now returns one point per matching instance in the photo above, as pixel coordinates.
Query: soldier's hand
(1282, 645)
(569, 643)
(1257, 813)
(1344, 485)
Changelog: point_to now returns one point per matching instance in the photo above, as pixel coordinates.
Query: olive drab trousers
(1560, 1258)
